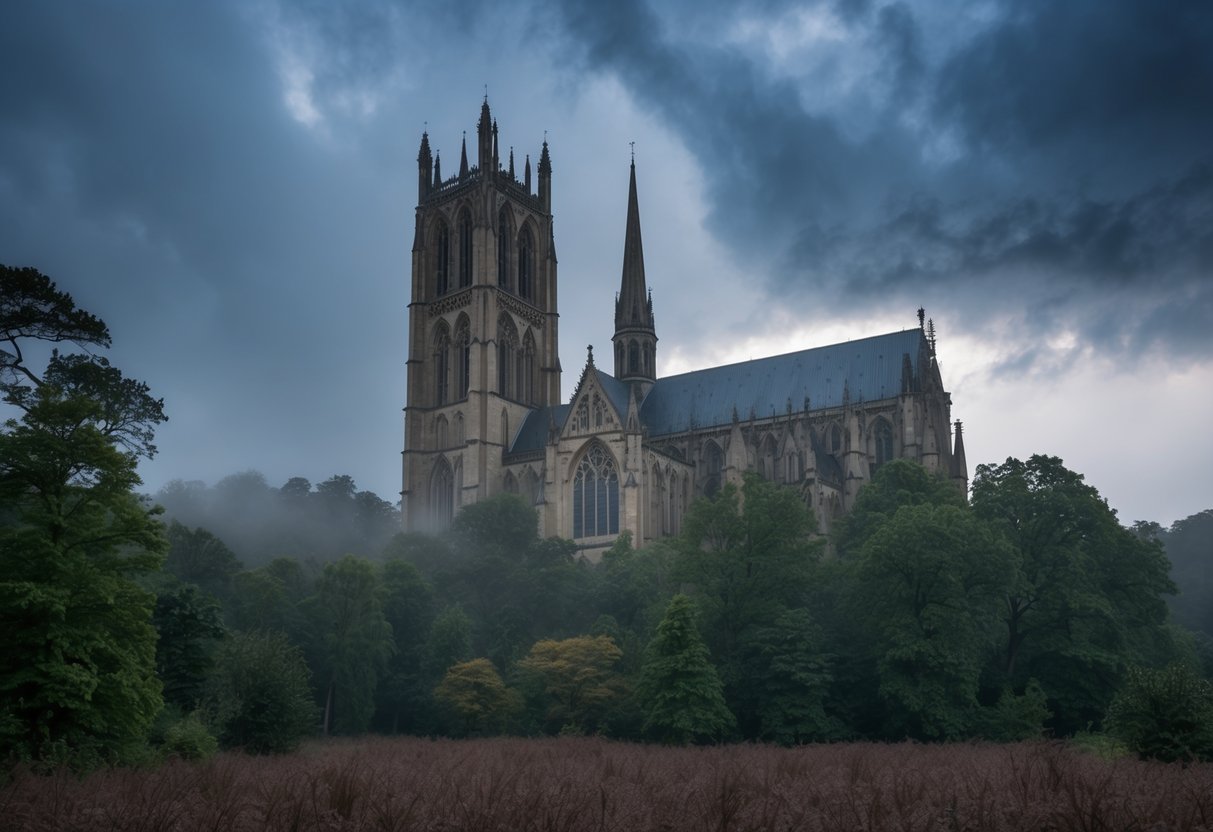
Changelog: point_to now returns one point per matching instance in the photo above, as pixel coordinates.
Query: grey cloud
(1079, 161)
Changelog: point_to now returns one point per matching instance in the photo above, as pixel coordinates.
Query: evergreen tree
(679, 690)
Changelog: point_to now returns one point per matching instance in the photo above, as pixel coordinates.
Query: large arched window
(713, 467)
(595, 494)
(463, 357)
(442, 353)
(442, 259)
(526, 264)
(768, 457)
(882, 436)
(442, 494)
(507, 350)
(465, 248)
(504, 233)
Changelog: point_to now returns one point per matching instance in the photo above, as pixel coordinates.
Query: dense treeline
(1024, 610)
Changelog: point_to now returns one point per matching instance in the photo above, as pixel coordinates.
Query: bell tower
(635, 336)
(482, 343)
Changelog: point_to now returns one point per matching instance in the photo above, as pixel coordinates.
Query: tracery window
(526, 265)
(713, 466)
(595, 495)
(507, 349)
(883, 440)
(463, 358)
(503, 249)
(526, 370)
(465, 249)
(442, 351)
(442, 494)
(442, 260)
(768, 459)
(582, 422)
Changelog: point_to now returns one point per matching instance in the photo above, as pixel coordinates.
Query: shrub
(1164, 714)
(259, 698)
(189, 739)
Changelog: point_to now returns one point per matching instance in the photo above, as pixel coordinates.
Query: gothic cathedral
(631, 450)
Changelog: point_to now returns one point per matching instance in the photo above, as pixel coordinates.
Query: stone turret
(425, 168)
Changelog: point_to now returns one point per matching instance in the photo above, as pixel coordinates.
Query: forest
(252, 617)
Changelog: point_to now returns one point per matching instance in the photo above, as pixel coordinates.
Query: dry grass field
(588, 784)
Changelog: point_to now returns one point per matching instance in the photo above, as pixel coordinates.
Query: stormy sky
(231, 186)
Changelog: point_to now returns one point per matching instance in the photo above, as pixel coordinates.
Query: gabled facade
(630, 451)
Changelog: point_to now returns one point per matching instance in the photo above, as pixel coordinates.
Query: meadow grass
(579, 784)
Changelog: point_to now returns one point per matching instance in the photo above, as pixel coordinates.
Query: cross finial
(486, 93)
(633, 146)
(545, 136)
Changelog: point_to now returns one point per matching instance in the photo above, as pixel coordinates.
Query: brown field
(590, 784)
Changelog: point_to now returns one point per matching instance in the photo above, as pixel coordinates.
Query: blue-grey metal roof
(533, 434)
(871, 368)
(617, 392)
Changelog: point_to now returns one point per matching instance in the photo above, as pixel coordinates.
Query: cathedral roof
(867, 369)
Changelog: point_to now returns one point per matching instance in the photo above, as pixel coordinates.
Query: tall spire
(437, 169)
(632, 307)
(463, 159)
(635, 331)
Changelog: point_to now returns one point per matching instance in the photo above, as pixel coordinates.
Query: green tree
(188, 626)
(259, 697)
(898, 483)
(404, 693)
(1087, 601)
(354, 642)
(788, 664)
(1164, 714)
(679, 690)
(475, 692)
(77, 669)
(578, 678)
(197, 557)
(449, 642)
(927, 588)
(750, 556)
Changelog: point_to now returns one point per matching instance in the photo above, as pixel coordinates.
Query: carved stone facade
(630, 451)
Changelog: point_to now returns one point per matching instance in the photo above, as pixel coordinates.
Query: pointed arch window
(503, 249)
(713, 467)
(442, 494)
(442, 352)
(595, 494)
(633, 357)
(442, 260)
(526, 370)
(465, 248)
(883, 440)
(526, 264)
(507, 349)
(510, 486)
(463, 358)
(768, 458)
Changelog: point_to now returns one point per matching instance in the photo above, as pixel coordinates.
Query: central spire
(635, 332)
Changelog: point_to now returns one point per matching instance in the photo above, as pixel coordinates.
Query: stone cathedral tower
(483, 349)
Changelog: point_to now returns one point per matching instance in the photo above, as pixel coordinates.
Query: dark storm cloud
(1055, 157)
(149, 164)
